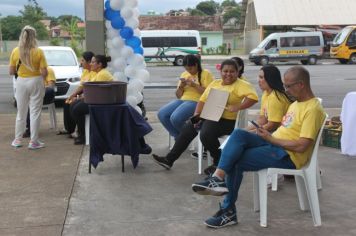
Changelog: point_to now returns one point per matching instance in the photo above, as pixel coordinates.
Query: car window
(60, 58)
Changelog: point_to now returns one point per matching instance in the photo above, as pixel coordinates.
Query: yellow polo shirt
(274, 106)
(102, 75)
(38, 62)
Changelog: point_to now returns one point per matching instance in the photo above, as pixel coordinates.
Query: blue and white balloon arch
(125, 47)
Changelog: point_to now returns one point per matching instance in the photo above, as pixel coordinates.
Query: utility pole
(1, 42)
(94, 24)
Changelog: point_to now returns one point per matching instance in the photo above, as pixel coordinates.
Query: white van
(304, 46)
(170, 45)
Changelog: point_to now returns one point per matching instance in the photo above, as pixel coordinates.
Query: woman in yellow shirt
(28, 62)
(191, 85)
(78, 109)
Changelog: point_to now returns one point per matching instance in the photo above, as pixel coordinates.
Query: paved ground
(49, 192)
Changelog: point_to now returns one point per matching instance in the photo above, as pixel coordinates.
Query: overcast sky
(76, 7)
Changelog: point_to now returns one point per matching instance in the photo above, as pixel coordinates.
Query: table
(117, 129)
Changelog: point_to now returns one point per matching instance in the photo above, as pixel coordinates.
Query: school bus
(343, 46)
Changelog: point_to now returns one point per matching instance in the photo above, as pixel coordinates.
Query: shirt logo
(288, 119)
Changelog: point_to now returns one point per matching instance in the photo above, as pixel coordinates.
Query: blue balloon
(138, 50)
(133, 42)
(111, 14)
(118, 22)
(126, 32)
(107, 4)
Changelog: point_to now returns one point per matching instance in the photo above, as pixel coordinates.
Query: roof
(200, 23)
(305, 12)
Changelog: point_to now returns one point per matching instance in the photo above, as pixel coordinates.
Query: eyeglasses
(288, 86)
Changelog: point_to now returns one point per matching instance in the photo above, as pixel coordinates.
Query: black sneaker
(222, 218)
(211, 186)
(210, 170)
(162, 161)
(195, 155)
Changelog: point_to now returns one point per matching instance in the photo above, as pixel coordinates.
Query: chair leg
(192, 144)
(200, 156)
(87, 129)
(256, 192)
(274, 182)
(303, 200)
(312, 192)
(318, 178)
(262, 179)
(52, 115)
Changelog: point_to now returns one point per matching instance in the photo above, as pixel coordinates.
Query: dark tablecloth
(117, 129)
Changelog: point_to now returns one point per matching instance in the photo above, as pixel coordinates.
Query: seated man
(50, 83)
(289, 147)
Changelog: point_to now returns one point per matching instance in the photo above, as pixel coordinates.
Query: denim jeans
(174, 114)
(246, 151)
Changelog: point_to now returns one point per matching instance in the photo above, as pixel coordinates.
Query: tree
(234, 12)
(11, 27)
(75, 33)
(228, 3)
(208, 7)
(31, 15)
(196, 12)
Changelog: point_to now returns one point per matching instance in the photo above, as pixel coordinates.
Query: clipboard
(215, 105)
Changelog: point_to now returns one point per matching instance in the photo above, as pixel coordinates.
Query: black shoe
(146, 149)
(222, 218)
(210, 170)
(211, 186)
(27, 134)
(162, 161)
(195, 155)
(79, 141)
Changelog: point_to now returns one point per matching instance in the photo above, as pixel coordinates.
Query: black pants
(209, 136)
(47, 99)
(69, 122)
(78, 110)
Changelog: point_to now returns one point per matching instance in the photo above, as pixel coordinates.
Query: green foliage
(229, 3)
(208, 7)
(55, 42)
(196, 12)
(234, 12)
(76, 34)
(11, 27)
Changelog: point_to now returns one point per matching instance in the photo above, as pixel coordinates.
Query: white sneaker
(16, 143)
(35, 145)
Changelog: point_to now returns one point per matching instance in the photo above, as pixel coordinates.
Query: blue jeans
(246, 151)
(174, 114)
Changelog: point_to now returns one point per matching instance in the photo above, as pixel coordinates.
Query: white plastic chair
(52, 115)
(306, 193)
(240, 123)
(87, 129)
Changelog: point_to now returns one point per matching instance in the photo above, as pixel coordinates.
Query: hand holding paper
(215, 105)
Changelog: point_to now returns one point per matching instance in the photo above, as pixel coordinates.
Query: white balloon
(136, 12)
(127, 51)
(132, 22)
(109, 43)
(137, 32)
(138, 109)
(114, 53)
(143, 75)
(131, 100)
(139, 97)
(108, 24)
(131, 3)
(130, 71)
(119, 64)
(126, 12)
(116, 4)
(120, 76)
(112, 33)
(136, 84)
(118, 42)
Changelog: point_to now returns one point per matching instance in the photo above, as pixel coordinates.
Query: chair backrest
(314, 156)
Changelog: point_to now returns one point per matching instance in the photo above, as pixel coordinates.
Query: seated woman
(50, 83)
(242, 95)
(78, 109)
(69, 123)
(191, 85)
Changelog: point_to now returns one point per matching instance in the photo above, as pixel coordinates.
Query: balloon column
(124, 47)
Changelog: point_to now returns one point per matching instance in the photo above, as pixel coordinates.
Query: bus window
(351, 41)
(271, 44)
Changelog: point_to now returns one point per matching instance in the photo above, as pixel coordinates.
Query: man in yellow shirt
(50, 83)
(289, 147)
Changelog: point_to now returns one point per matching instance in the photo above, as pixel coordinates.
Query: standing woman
(191, 85)
(78, 108)
(29, 63)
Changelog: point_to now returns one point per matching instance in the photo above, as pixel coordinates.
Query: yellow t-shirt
(274, 106)
(237, 92)
(243, 78)
(38, 62)
(302, 120)
(86, 75)
(50, 76)
(190, 93)
(102, 75)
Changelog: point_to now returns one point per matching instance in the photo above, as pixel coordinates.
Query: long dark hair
(103, 60)
(240, 63)
(273, 78)
(191, 60)
(87, 56)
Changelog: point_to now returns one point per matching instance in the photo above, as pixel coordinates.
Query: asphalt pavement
(49, 192)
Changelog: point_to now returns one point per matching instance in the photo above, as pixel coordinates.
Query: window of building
(204, 41)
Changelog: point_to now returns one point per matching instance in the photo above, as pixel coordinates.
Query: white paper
(214, 105)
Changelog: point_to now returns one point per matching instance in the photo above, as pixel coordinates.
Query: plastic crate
(331, 138)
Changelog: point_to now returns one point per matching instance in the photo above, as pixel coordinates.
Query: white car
(66, 68)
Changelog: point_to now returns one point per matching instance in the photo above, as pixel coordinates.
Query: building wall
(213, 39)
(252, 39)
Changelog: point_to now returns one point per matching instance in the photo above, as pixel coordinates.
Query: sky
(76, 7)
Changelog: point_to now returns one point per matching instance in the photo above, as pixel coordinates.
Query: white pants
(29, 93)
